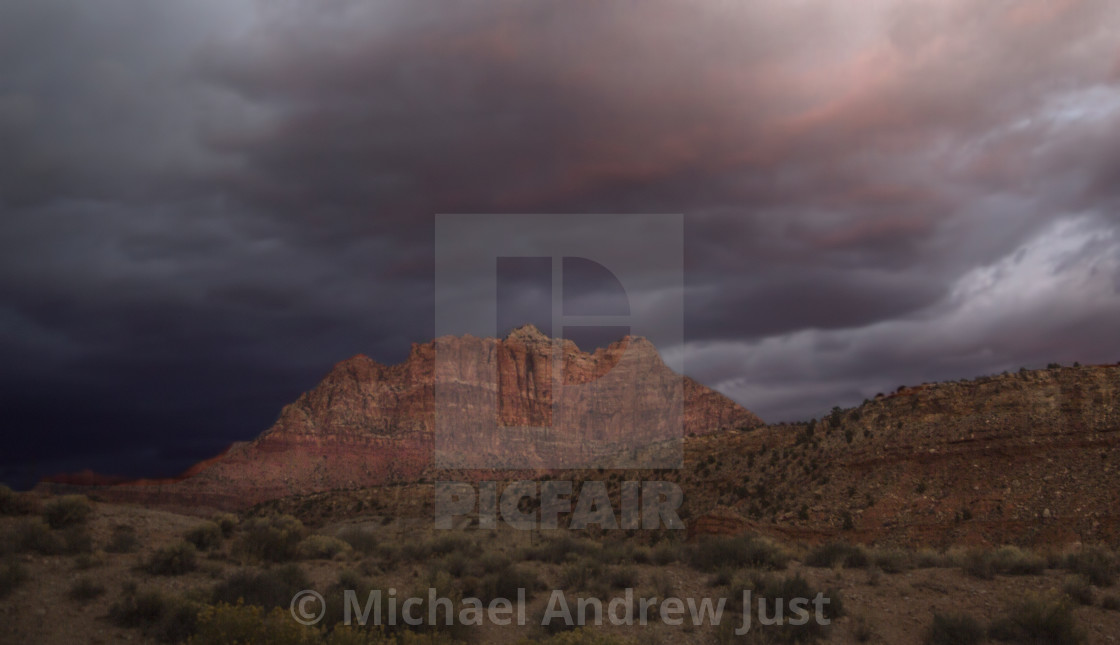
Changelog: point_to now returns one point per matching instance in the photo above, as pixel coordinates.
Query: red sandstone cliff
(367, 424)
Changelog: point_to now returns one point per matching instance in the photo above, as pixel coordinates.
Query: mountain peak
(368, 424)
(528, 331)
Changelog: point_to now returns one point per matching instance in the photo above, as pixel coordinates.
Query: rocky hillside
(367, 424)
(1031, 458)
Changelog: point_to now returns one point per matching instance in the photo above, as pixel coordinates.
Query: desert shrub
(558, 550)
(844, 554)
(893, 560)
(459, 565)
(168, 619)
(272, 539)
(580, 574)
(205, 536)
(1079, 590)
(86, 561)
(321, 547)
(1055, 560)
(769, 589)
(503, 583)
(67, 510)
(979, 564)
(350, 580)
(1096, 564)
(489, 562)
(612, 552)
(742, 551)
(930, 559)
(227, 522)
(874, 576)
(172, 560)
(33, 535)
(954, 557)
(1013, 561)
(388, 553)
(12, 575)
(1111, 602)
(268, 588)
(444, 588)
(664, 553)
(862, 632)
(12, 535)
(85, 589)
(77, 539)
(178, 621)
(336, 602)
(359, 540)
(954, 629)
(212, 568)
(13, 503)
(249, 625)
(420, 551)
(1042, 620)
(137, 608)
(622, 577)
(453, 543)
(122, 540)
(662, 584)
(553, 625)
(626, 552)
(722, 577)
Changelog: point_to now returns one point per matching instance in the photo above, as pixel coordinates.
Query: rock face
(530, 402)
(1026, 458)
(1029, 458)
(367, 424)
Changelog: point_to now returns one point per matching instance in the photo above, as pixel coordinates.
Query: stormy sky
(205, 204)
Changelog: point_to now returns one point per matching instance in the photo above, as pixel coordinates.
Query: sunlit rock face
(367, 424)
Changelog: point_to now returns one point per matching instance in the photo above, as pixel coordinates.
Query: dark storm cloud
(206, 204)
(802, 299)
